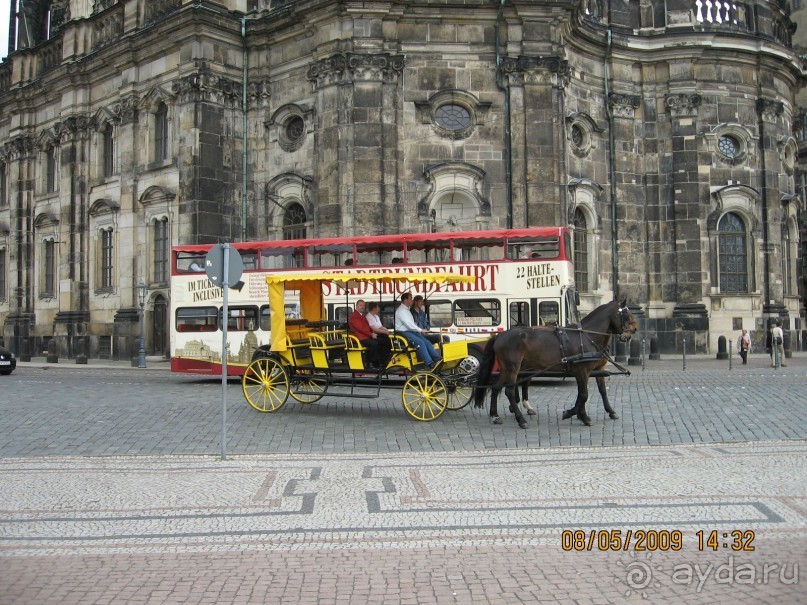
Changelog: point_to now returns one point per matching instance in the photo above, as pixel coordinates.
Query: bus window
(266, 319)
(379, 253)
(429, 252)
(387, 313)
(570, 307)
(519, 314)
(250, 260)
(439, 312)
(241, 319)
(534, 247)
(188, 262)
(282, 258)
(548, 311)
(341, 313)
(196, 319)
(477, 312)
(332, 255)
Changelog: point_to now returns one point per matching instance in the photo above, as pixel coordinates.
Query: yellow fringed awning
(312, 304)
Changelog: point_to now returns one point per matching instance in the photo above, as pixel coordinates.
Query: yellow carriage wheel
(424, 396)
(308, 387)
(266, 385)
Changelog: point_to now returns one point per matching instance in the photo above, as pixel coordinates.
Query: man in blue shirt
(422, 320)
(405, 326)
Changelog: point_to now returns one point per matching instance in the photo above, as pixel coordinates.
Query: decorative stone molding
(157, 10)
(536, 70)
(769, 109)
(624, 105)
(102, 117)
(742, 199)
(788, 152)
(107, 28)
(20, 147)
(477, 111)
(454, 179)
(73, 128)
(683, 105)
(741, 135)
(259, 93)
(351, 67)
(579, 130)
(101, 5)
(126, 109)
(290, 125)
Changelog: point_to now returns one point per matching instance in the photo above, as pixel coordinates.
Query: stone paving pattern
(113, 492)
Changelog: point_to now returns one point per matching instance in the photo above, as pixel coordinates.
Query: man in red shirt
(358, 326)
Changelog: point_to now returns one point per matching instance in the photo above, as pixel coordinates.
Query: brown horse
(577, 352)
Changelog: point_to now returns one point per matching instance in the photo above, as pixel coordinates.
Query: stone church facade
(665, 133)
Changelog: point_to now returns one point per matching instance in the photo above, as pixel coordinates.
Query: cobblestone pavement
(109, 410)
(483, 527)
(113, 492)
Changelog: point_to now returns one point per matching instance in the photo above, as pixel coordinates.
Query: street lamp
(141, 297)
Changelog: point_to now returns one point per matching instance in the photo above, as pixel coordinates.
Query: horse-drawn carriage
(311, 357)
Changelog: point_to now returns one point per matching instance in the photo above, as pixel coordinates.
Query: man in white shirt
(778, 342)
(405, 326)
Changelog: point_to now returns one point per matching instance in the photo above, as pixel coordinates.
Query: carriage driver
(405, 326)
(360, 328)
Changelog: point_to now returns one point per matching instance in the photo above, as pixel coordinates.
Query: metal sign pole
(224, 320)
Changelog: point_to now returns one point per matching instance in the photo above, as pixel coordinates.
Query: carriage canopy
(311, 297)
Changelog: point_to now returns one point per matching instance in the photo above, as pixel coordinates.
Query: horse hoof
(586, 421)
(614, 416)
(568, 414)
(497, 420)
(522, 425)
(531, 412)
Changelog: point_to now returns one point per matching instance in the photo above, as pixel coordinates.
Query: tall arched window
(294, 222)
(732, 254)
(161, 250)
(109, 151)
(580, 251)
(787, 261)
(161, 133)
(107, 257)
(294, 228)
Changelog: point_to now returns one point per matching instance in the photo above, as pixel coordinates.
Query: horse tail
(485, 370)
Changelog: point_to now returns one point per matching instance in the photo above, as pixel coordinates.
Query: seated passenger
(422, 320)
(358, 326)
(381, 332)
(405, 326)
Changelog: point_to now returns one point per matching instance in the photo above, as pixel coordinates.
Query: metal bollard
(684, 341)
(731, 345)
(643, 343)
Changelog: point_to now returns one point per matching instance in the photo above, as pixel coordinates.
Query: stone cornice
(351, 67)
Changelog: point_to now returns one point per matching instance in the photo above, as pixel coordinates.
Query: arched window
(109, 151)
(161, 250)
(787, 261)
(294, 222)
(161, 133)
(580, 251)
(107, 257)
(732, 254)
(50, 169)
(294, 228)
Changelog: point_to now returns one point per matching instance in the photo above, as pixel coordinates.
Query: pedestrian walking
(769, 343)
(744, 345)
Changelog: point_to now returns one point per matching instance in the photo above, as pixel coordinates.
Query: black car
(7, 361)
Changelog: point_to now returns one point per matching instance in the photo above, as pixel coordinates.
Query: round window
(295, 128)
(728, 146)
(452, 117)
